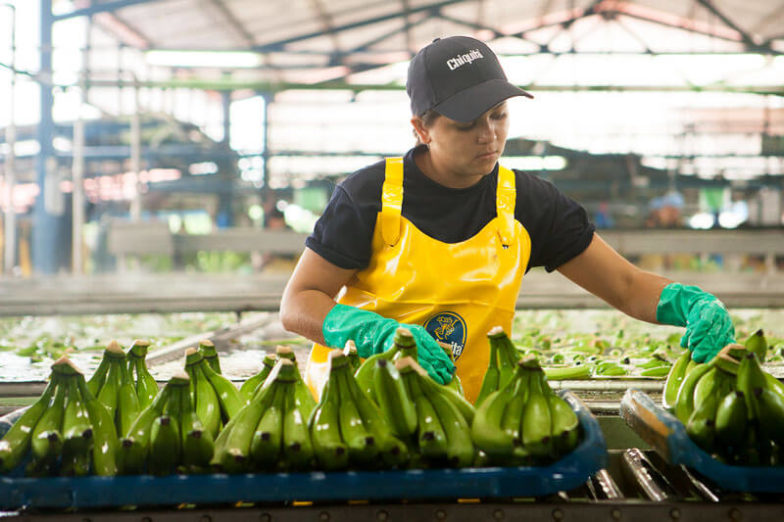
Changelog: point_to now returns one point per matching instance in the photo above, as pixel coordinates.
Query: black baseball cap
(458, 77)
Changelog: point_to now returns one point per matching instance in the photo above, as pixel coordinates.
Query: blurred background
(177, 149)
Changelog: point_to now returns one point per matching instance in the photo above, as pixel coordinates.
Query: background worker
(440, 239)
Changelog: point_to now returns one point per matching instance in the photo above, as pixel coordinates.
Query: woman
(439, 240)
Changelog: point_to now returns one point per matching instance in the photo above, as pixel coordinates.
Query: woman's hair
(428, 118)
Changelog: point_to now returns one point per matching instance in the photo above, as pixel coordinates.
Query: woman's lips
(487, 155)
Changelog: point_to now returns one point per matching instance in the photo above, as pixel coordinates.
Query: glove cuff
(676, 301)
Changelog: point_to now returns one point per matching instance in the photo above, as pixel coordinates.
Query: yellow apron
(457, 291)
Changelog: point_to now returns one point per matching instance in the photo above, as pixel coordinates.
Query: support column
(46, 257)
(225, 214)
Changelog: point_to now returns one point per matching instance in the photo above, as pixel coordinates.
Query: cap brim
(469, 104)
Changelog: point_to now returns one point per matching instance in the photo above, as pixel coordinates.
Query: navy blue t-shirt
(559, 227)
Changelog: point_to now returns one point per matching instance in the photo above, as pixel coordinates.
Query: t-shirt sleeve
(342, 235)
(559, 227)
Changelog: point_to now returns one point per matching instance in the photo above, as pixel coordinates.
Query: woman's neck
(433, 169)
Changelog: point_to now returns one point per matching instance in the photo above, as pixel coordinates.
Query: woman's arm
(310, 294)
(606, 274)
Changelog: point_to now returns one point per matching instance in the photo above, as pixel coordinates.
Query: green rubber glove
(708, 325)
(373, 334)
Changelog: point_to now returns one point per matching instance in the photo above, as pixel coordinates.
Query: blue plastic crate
(491, 482)
(667, 435)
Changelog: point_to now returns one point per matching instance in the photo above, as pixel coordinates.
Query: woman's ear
(420, 130)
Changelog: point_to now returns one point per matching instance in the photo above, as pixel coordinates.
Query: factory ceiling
(316, 41)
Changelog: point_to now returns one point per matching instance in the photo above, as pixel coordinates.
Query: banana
(232, 446)
(562, 373)
(164, 445)
(16, 442)
(107, 395)
(771, 415)
(512, 420)
(249, 386)
(491, 379)
(205, 399)
(507, 354)
(77, 429)
(372, 418)
(537, 420)
(127, 401)
(146, 386)
(751, 378)
(99, 375)
(197, 443)
(47, 439)
(757, 343)
(460, 402)
(565, 427)
(228, 395)
(328, 447)
(731, 420)
(207, 348)
(297, 447)
(486, 429)
(105, 442)
(393, 400)
(431, 436)
(266, 444)
(134, 446)
(705, 386)
(701, 425)
(684, 404)
(674, 379)
(362, 447)
(460, 447)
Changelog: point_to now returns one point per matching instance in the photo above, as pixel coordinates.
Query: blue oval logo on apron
(449, 328)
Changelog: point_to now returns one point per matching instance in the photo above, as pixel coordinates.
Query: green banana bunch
(215, 398)
(197, 443)
(443, 433)
(732, 409)
(249, 387)
(525, 422)
(207, 349)
(66, 431)
(145, 384)
(114, 387)
(501, 365)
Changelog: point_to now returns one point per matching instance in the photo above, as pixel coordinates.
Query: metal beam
(233, 22)
(745, 36)
(280, 44)
(105, 7)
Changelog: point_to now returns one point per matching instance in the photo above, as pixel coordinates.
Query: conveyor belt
(636, 486)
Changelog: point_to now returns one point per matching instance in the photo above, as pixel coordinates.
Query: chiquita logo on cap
(462, 59)
(449, 328)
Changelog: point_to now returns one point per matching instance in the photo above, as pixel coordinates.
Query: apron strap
(506, 198)
(392, 201)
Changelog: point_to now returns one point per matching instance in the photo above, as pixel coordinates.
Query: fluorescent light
(227, 59)
(534, 162)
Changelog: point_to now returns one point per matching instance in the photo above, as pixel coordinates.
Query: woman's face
(466, 149)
